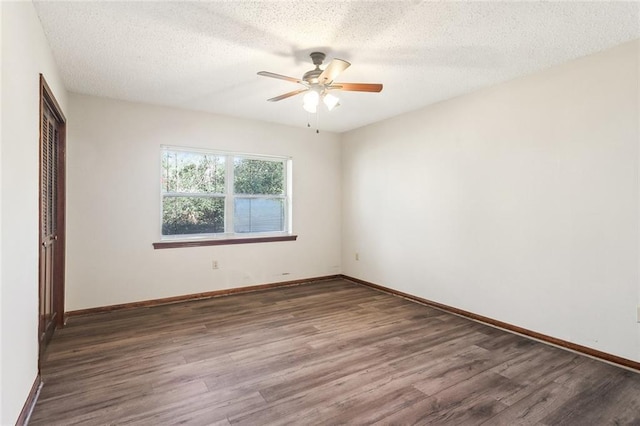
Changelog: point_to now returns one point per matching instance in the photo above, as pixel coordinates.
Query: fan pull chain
(317, 120)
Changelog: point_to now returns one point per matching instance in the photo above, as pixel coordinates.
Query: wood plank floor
(324, 353)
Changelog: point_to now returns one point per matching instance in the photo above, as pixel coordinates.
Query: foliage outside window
(213, 194)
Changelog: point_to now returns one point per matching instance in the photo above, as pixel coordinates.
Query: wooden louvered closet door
(52, 216)
(49, 223)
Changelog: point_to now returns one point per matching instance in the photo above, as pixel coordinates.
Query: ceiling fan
(319, 83)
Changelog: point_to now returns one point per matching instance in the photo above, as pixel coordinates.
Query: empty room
(320, 212)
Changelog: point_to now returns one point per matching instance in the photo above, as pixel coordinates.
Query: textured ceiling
(205, 55)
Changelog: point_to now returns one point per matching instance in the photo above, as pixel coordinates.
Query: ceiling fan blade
(357, 87)
(335, 67)
(286, 95)
(279, 76)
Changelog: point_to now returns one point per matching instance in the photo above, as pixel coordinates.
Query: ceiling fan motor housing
(311, 77)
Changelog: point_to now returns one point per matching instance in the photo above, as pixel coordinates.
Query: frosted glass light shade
(311, 97)
(330, 101)
(309, 107)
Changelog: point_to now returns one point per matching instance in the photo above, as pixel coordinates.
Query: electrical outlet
(357, 256)
(214, 264)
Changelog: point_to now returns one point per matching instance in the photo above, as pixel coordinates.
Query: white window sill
(222, 241)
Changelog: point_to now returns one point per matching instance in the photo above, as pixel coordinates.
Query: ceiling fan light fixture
(311, 108)
(311, 100)
(312, 97)
(330, 101)
(319, 82)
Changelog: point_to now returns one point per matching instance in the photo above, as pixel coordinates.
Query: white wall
(25, 54)
(518, 202)
(1, 288)
(113, 203)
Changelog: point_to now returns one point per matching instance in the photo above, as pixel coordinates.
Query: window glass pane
(192, 215)
(258, 215)
(192, 172)
(257, 177)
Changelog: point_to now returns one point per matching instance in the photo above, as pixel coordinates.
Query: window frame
(228, 236)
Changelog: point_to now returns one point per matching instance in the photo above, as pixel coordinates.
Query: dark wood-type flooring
(322, 353)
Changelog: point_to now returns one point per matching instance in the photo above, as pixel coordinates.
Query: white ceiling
(205, 55)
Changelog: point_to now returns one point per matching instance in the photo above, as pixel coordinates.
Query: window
(209, 194)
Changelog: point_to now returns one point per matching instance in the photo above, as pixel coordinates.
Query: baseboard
(197, 296)
(614, 359)
(27, 409)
